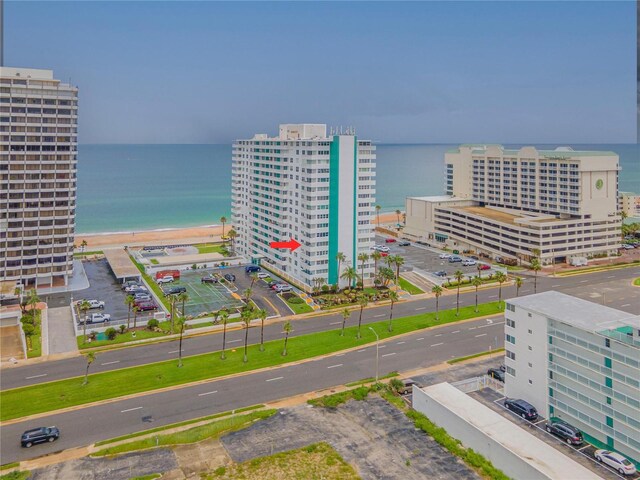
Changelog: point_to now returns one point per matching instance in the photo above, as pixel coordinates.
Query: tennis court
(205, 297)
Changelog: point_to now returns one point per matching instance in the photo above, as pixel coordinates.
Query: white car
(469, 263)
(98, 318)
(93, 303)
(263, 275)
(615, 460)
(136, 288)
(384, 248)
(167, 279)
(282, 288)
(444, 255)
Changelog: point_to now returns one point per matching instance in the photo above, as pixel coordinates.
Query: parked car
(147, 306)
(39, 435)
(566, 432)
(209, 279)
(440, 273)
(168, 273)
(252, 268)
(135, 288)
(615, 460)
(444, 255)
(455, 259)
(272, 283)
(280, 288)
(475, 257)
(141, 296)
(97, 318)
(174, 290)
(469, 263)
(522, 408)
(384, 248)
(263, 275)
(165, 279)
(230, 277)
(93, 303)
(390, 240)
(496, 373)
(384, 254)
(130, 283)
(404, 243)
(484, 266)
(407, 386)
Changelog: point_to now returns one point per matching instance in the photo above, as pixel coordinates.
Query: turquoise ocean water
(146, 187)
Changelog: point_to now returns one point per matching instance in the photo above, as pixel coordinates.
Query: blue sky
(424, 72)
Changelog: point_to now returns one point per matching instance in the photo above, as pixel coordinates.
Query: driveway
(262, 295)
(62, 338)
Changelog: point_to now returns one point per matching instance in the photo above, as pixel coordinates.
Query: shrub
(325, 288)
(295, 300)
(122, 328)
(396, 385)
(153, 323)
(111, 333)
(28, 319)
(194, 266)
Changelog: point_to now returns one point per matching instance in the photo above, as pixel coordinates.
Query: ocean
(123, 188)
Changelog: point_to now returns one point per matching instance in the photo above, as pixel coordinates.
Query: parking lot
(583, 454)
(426, 259)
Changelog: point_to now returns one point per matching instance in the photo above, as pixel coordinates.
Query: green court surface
(204, 297)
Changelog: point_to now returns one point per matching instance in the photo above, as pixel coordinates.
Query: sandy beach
(169, 236)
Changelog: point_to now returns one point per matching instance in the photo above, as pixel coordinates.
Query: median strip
(63, 394)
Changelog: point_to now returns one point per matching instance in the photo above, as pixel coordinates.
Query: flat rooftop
(559, 152)
(121, 264)
(490, 213)
(550, 462)
(439, 198)
(581, 313)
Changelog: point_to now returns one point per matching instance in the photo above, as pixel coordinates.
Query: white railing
(478, 383)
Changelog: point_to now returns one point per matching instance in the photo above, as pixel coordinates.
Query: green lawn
(15, 475)
(297, 308)
(70, 392)
(210, 248)
(475, 355)
(125, 337)
(466, 283)
(407, 286)
(36, 338)
(637, 282)
(192, 435)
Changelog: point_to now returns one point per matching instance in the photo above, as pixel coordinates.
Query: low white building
(578, 361)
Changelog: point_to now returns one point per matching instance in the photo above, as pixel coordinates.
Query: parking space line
(473, 328)
(388, 354)
(493, 296)
(582, 448)
(437, 344)
(335, 366)
(130, 409)
(272, 379)
(110, 363)
(554, 286)
(584, 281)
(340, 355)
(438, 335)
(382, 346)
(207, 393)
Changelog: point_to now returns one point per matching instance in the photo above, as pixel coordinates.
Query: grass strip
(15, 475)
(371, 379)
(152, 284)
(297, 306)
(179, 424)
(192, 435)
(210, 248)
(636, 282)
(70, 392)
(597, 268)
(127, 336)
(407, 286)
(85, 254)
(7, 466)
(475, 355)
(151, 476)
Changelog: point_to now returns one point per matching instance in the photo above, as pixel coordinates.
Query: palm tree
(231, 235)
(376, 255)
(459, 275)
(500, 278)
(246, 317)
(387, 275)
(32, 300)
(362, 258)
(345, 316)
(404, 218)
(223, 220)
(350, 275)
(247, 294)
(476, 282)
(518, 285)
(393, 296)
(129, 301)
(378, 208)
(84, 306)
(535, 253)
(398, 261)
(29, 331)
(183, 297)
(437, 291)
(398, 213)
(286, 329)
(340, 257)
(262, 313)
(181, 323)
(172, 303)
(136, 310)
(363, 301)
(254, 277)
(224, 318)
(91, 357)
(83, 245)
(535, 266)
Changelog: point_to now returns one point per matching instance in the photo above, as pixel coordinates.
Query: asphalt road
(614, 285)
(91, 424)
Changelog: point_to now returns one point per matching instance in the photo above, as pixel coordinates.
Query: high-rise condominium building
(38, 153)
(314, 188)
(578, 361)
(512, 203)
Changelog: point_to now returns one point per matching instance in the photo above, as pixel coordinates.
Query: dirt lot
(372, 435)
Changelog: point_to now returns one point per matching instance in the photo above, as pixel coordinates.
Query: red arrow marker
(291, 244)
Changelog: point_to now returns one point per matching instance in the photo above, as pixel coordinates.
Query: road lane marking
(363, 350)
(438, 335)
(481, 335)
(626, 305)
(236, 340)
(473, 328)
(272, 379)
(421, 338)
(554, 286)
(335, 323)
(381, 315)
(421, 308)
(493, 296)
(584, 281)
(456, 331)
(176, 351)
(400, 343)
(36, 376)
(437, 344)
(388, 354)
(110, 363)
(130, 409)
(335, 366)
(383, 346)
(340, 355)
(207, 393)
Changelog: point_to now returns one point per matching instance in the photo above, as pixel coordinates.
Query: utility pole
(377, 351)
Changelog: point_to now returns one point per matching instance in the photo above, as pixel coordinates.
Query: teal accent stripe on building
(334, 208)
(355, 203)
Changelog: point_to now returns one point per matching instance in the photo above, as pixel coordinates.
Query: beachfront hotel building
(303, 184)
(38, 154)
(509, 203)
(578, 361)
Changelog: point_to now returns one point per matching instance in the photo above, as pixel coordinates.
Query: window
(511, 308)
(510, 355)
(530, 382)
(530, 348)
(511, 371)
(511, 339)
(511, 323)
(530, 332)
(531, 364)
(607, 343)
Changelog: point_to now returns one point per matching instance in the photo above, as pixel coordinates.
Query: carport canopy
(121, 265)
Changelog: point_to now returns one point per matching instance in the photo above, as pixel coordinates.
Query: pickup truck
(93, 303)
(98, 318)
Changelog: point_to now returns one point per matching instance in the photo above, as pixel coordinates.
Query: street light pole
(377, 351)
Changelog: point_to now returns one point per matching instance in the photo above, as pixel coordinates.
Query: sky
(399, 72)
